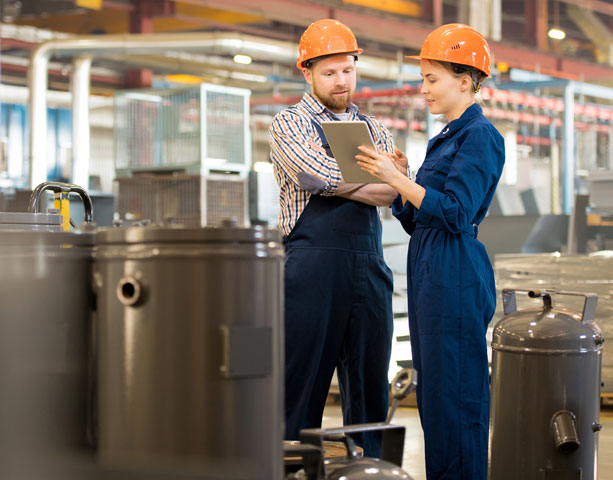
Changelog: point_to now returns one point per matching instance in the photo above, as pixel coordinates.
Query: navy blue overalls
(452, 295)
(338, 313)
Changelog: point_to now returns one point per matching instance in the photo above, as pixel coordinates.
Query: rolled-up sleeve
(290, 135)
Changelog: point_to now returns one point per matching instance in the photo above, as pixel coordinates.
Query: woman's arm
(390, 171)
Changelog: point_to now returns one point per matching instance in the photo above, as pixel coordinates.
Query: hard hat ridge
(457, 43)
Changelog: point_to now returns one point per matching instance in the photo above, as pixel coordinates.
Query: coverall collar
(318, 108)
(469, 114)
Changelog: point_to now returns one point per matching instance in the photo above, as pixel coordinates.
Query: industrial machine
(189, 349)
(183, 155)
(315, 443)
(545, 403)
(45, 305)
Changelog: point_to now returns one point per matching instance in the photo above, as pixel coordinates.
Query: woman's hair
(475, 74)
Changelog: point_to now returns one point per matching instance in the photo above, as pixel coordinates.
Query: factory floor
(413, 462)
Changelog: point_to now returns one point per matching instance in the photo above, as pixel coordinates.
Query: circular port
(129, 291)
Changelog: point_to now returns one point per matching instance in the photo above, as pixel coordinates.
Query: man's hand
(400, 161)
(317, 148)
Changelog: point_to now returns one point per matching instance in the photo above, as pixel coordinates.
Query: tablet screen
(344, 139)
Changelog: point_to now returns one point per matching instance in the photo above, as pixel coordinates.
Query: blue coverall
(338, 313)
(452, 295)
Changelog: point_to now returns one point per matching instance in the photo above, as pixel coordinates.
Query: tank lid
(40, 238)
(546, 330)
(179, 234)
(21, 218)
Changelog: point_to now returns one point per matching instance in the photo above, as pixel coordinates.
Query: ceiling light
(242, 59)
(556, 34)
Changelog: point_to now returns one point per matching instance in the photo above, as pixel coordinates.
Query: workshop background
(160, 110)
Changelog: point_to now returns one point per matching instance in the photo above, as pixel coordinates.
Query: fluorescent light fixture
(242, 59)
(556, 34)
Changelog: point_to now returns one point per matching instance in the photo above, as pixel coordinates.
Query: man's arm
(377, 194)
(292, 144)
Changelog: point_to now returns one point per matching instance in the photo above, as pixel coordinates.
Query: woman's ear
(466, 83)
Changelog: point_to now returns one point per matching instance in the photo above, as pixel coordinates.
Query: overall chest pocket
(441, 164)
(434, 172)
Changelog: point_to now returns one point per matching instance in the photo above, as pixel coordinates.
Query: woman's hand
(382, 166)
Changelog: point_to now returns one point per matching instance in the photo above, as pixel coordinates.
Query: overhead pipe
(221, 43)
(117, 44)
(80, 119)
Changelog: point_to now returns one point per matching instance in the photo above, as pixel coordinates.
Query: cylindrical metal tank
(545, 404)
(49, 222)
(189, 327)
(45, 303)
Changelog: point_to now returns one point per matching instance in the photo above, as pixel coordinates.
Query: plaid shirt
(291, 133)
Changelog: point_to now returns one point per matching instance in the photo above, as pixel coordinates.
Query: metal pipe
(568, 151)
(564, 432)
(496, 19)
(221, 43)
(62, 188)
(80, 119)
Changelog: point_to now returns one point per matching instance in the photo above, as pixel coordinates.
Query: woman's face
(445, 93)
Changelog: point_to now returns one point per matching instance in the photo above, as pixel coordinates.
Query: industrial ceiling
(387, 29)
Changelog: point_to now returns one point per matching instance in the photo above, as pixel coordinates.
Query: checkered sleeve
(290, 138)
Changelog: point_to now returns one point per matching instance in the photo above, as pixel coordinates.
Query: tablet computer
(344, 139)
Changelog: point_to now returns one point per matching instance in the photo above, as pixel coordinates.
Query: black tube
(564, 432)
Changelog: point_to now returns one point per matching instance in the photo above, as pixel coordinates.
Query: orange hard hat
(326, 37)
(457, 43)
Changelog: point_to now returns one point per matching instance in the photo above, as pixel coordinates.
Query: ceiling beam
(410, 34)
(593, 5)
(405, 32)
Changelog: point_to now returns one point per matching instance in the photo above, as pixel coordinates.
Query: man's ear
(308, 75)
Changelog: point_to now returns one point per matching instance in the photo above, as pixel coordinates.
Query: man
(338, 289)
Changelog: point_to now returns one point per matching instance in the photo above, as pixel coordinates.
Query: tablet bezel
(344, 137)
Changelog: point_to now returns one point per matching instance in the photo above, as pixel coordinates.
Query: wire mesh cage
(190, 200)
(195, 130)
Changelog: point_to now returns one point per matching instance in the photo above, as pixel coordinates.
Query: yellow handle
(61, 203)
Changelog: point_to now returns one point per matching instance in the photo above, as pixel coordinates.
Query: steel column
(568, 155)
(79, 86)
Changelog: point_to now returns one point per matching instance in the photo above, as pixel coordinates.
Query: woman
(450, 280)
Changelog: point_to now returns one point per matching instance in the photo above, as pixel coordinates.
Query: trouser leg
(454, 393)
(311, 347)
(365, 353)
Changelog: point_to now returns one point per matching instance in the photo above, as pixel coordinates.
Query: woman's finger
(365, 159)
(367, 150)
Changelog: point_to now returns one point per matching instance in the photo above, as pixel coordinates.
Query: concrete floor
(414, 446)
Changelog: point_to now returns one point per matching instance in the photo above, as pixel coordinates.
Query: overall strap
(324, 140)
(364, 118)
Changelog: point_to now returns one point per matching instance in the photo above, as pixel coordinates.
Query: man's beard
(332, 102)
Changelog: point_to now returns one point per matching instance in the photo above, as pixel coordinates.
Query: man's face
(333, 81)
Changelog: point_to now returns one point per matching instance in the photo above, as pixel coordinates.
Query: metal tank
(45, 303)
(545, 404)
(189, 329)
(57, 219)
(317, 445)
(49, 222)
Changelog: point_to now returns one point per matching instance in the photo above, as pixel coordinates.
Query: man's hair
(312, 61)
